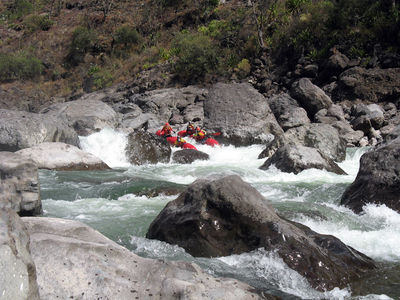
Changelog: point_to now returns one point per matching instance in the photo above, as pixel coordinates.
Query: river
(122, 202)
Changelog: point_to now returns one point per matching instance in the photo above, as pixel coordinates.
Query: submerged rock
(60, 156)
(187, 156)
(19, 130)
(147, 148)
(19, 185)
(75, 261)
(378, 179)
(18, 272)
(241, 113)
(292, 158)
(227, 216)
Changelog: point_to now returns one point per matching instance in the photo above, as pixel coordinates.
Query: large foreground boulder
(60, 156)
(19, 185)
(378, 180)
(187, 156)
(19, 130)
(18, 272)
(323, 137)
(76, 262)
(86, 116)
(241, 113)
(292, 158)
(147, 148)
(228, 216)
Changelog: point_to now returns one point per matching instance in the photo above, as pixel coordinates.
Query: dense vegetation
(63, 43)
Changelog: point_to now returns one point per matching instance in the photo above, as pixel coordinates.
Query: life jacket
(166, 130)
(190, 129)
(200, 134)
(180, 142)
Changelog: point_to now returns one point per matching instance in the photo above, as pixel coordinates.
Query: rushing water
(121, 203)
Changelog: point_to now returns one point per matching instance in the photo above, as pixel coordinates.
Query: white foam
(375, 233)
(269, 267)
(108, 145)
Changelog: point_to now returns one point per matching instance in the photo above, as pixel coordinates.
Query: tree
(263, 14)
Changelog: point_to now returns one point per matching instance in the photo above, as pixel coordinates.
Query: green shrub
(196, 56)
(126, 36)
(83, 40)
(19, 66)
(19, 8)
(38, 22)
(101, 78)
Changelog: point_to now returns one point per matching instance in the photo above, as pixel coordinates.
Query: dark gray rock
(372, 85)
(227, 216)
(187, 156)
(163, 103)
(18, 272)
(367, 118)
(378, 179)
(309, 96)
(335, 65)
(241, 113)
(287, 111)
(147, 148)
(19, 130)
(86, 116)
(323, 137)
(75, 261)
(292, 158)
(19, 185)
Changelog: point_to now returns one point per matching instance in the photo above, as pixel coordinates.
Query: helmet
(198, 128)
(166, 124)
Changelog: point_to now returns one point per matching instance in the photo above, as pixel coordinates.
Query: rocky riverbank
(302, 123)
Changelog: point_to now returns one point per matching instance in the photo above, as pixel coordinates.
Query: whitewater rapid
(311, 197)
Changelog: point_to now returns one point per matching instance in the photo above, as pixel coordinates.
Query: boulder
(86, 116)
(372, 114)
(240, 113)
(227, 216)
(287, 111)
(75, 261)
(19, 130)
(18, 272)
(323, 137)
(309, 96)
(19, 185)
(163, 103)
(292, 158)
(335, 65)
(60, 156)
(372, 85)
(187, 156)
(378, 179)
(147, 148)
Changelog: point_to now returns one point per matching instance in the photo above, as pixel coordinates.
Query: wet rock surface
(187, 156)
(378, 179)
(224, 216)
(144, 148)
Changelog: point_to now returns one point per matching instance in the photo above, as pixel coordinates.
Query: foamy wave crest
(108, 145)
